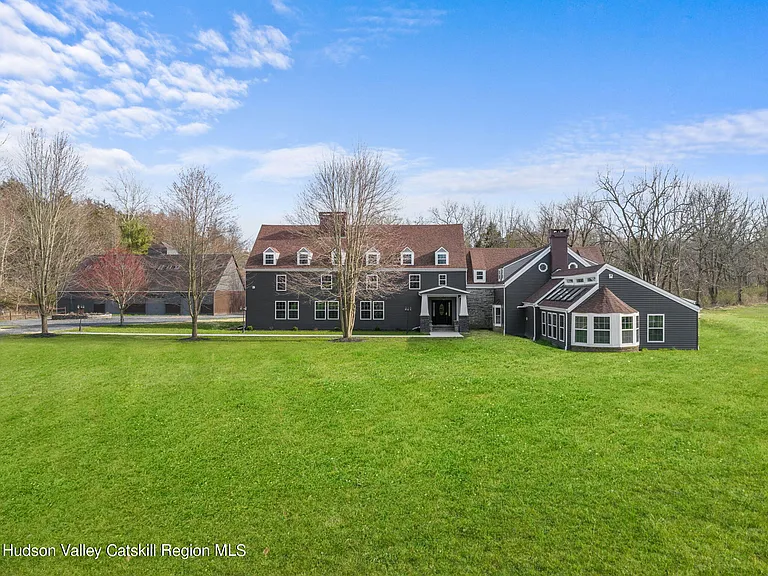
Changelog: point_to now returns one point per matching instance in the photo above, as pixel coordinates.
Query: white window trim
(371, 281)
(663, 329)
(480, 276)
(402, 259)
(601, 330)
(288, 309)
(441, 251)
(635, 320)
(277, 282)
(373, 309)
(442, 279)
(322, 282)
(328, 309)
(543, 324)
(573, 336)
(324, 308)
(370, 309)
(498, 308)
(299, 254)
(270, 251)
(543, 267)
(376, 260)
(501, 274)
(285, 310)
(410, 277)
(561, 327)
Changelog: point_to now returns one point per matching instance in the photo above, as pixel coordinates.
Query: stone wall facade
(480, 308)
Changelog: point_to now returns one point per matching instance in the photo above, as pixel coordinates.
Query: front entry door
(442, 314)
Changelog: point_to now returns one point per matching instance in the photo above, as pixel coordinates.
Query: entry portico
(444, 307)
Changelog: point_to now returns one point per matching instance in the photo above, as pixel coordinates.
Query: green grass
(225, 327)
(487, 455)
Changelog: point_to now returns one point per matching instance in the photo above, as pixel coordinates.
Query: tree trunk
(43, 320)
(194, 326)
(122, 316)
(739, 292)
(766, 289)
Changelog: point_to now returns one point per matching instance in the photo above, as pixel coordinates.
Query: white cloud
(38, 17)
(103, 98)
(281, 7)
(193, 129)
(211, 40)
(343, 50)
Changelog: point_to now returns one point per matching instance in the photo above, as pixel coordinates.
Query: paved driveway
(32, 326)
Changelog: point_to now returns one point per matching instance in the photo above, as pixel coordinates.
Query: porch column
(425, 320)
(463, 314)
(424, 305)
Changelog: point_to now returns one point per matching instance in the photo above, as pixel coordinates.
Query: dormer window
(372, 258)
(479, 275)
(501, 274)
(343, 257)
(270, 256)
(406, 257)
(303, 257)
(441, 257)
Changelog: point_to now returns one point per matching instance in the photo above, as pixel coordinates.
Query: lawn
(482, 455)
(227, 327)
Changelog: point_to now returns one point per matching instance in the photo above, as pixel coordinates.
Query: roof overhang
(438, 290)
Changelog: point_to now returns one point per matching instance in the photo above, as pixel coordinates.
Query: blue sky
(506, 102)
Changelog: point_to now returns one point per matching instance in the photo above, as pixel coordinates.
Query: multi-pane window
(327, 310)
(655, 327)
(406, 258)
(365, 310)
(280, 310)
(371, 258)
(497, 315)
(333, 310)
(378, 310)
(326, 282)
(269, 258)
(543, 323)
(303, 258)
(561, 327)
(371, 282)
(414, 281)
(552, 332)
(441, 257)
(479, 275)
(334, 257)
(627, 329)
(501, 274)
(372, 310)
(281, 282)
(442, 279)
(320, 308)
(580, 329)
(601, 329)
(293, 310)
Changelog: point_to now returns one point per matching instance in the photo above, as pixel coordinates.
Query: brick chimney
(558, 243)
(327, 220)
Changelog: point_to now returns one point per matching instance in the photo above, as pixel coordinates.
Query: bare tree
(346, 214)
(197, 210)
(761, 246)
(118, 274)
(131, 196)
(51, 175)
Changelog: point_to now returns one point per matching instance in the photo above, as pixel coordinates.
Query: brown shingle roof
(592, 253)
(491, 259)
(577, 271)
(603, 301)
(541, 292)
(423, 239)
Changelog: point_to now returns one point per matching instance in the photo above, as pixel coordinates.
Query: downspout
(566, 329)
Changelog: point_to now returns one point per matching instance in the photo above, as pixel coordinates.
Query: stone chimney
(558, 252)
(327, 220)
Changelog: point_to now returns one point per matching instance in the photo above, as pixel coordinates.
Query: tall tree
(135, 237)
(118, 274)
(51, 175)
(357, 196)
(131, 195)
(197, 210)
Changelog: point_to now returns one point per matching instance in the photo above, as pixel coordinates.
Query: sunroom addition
(605, 321)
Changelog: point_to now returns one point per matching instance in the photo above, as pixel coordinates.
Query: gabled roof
(543, 291)
(491, 259)
(422, 239)
(592, 253)
(577, 271)
(603, 301)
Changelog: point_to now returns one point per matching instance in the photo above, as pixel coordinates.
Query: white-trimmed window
(561, 327)
(303, 257)
(580, 329)
(627, 329)
(372, 310)
(270, 256)
(293, 310)
(479, 275)
(372, 258)
(326, 310)
(552, 332)
(442, 279)
(365, 310)
(280, 310)
(414, 281)
(543, 267)
(326, 281)
(441, 257)
(406, 257)
(371, 282)
(378, 310)
(572, 265)
(498, 317)
(320, 310)
(656, 328)
(501, 274)
(601, 329)
(334, 259)
(281, 282)
(543, 323)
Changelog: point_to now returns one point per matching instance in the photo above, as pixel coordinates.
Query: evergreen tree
(135, 236)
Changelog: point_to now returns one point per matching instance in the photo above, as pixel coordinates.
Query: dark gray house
(567, 296)
(430, 267)
(166, 288)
